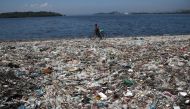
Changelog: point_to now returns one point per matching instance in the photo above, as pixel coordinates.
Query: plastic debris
(73, 69)
(80, 73)
(187, 102)
(39, 92)
(22, 107)
(86, 100)
(47, 70)
(128, 83)
(128, 94)
(103, 96)
(183, 94)
(176, 107)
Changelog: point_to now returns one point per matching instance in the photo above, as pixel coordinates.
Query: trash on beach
(176, 107)
(47, 70)
(128, 83)
(183, 94)
(80, 73)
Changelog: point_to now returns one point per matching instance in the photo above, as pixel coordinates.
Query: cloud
(33, 5)
(43, 5)
(38, 5)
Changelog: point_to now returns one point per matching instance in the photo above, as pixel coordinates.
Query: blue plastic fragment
(21, 107)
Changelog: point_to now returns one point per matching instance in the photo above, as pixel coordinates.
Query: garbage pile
(91, 74)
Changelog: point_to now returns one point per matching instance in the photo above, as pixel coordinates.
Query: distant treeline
(28, 14)
(110, 13)
(178, 12)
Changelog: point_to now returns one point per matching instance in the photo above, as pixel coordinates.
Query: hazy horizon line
(179, 10)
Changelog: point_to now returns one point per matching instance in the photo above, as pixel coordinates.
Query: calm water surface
(83, 26)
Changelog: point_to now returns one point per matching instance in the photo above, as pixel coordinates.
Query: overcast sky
(71, 7)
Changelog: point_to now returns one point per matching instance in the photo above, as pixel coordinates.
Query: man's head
(96, 25)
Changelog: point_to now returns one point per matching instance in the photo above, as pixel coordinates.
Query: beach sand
(131, 72)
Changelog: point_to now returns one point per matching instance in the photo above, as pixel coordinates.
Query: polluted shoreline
(114, 73)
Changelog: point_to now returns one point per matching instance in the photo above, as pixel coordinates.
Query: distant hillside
(28, 14)
(120, 13)
(111, 13)
(177, 12)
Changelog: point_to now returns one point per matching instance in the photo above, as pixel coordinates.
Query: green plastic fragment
(128, 83)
